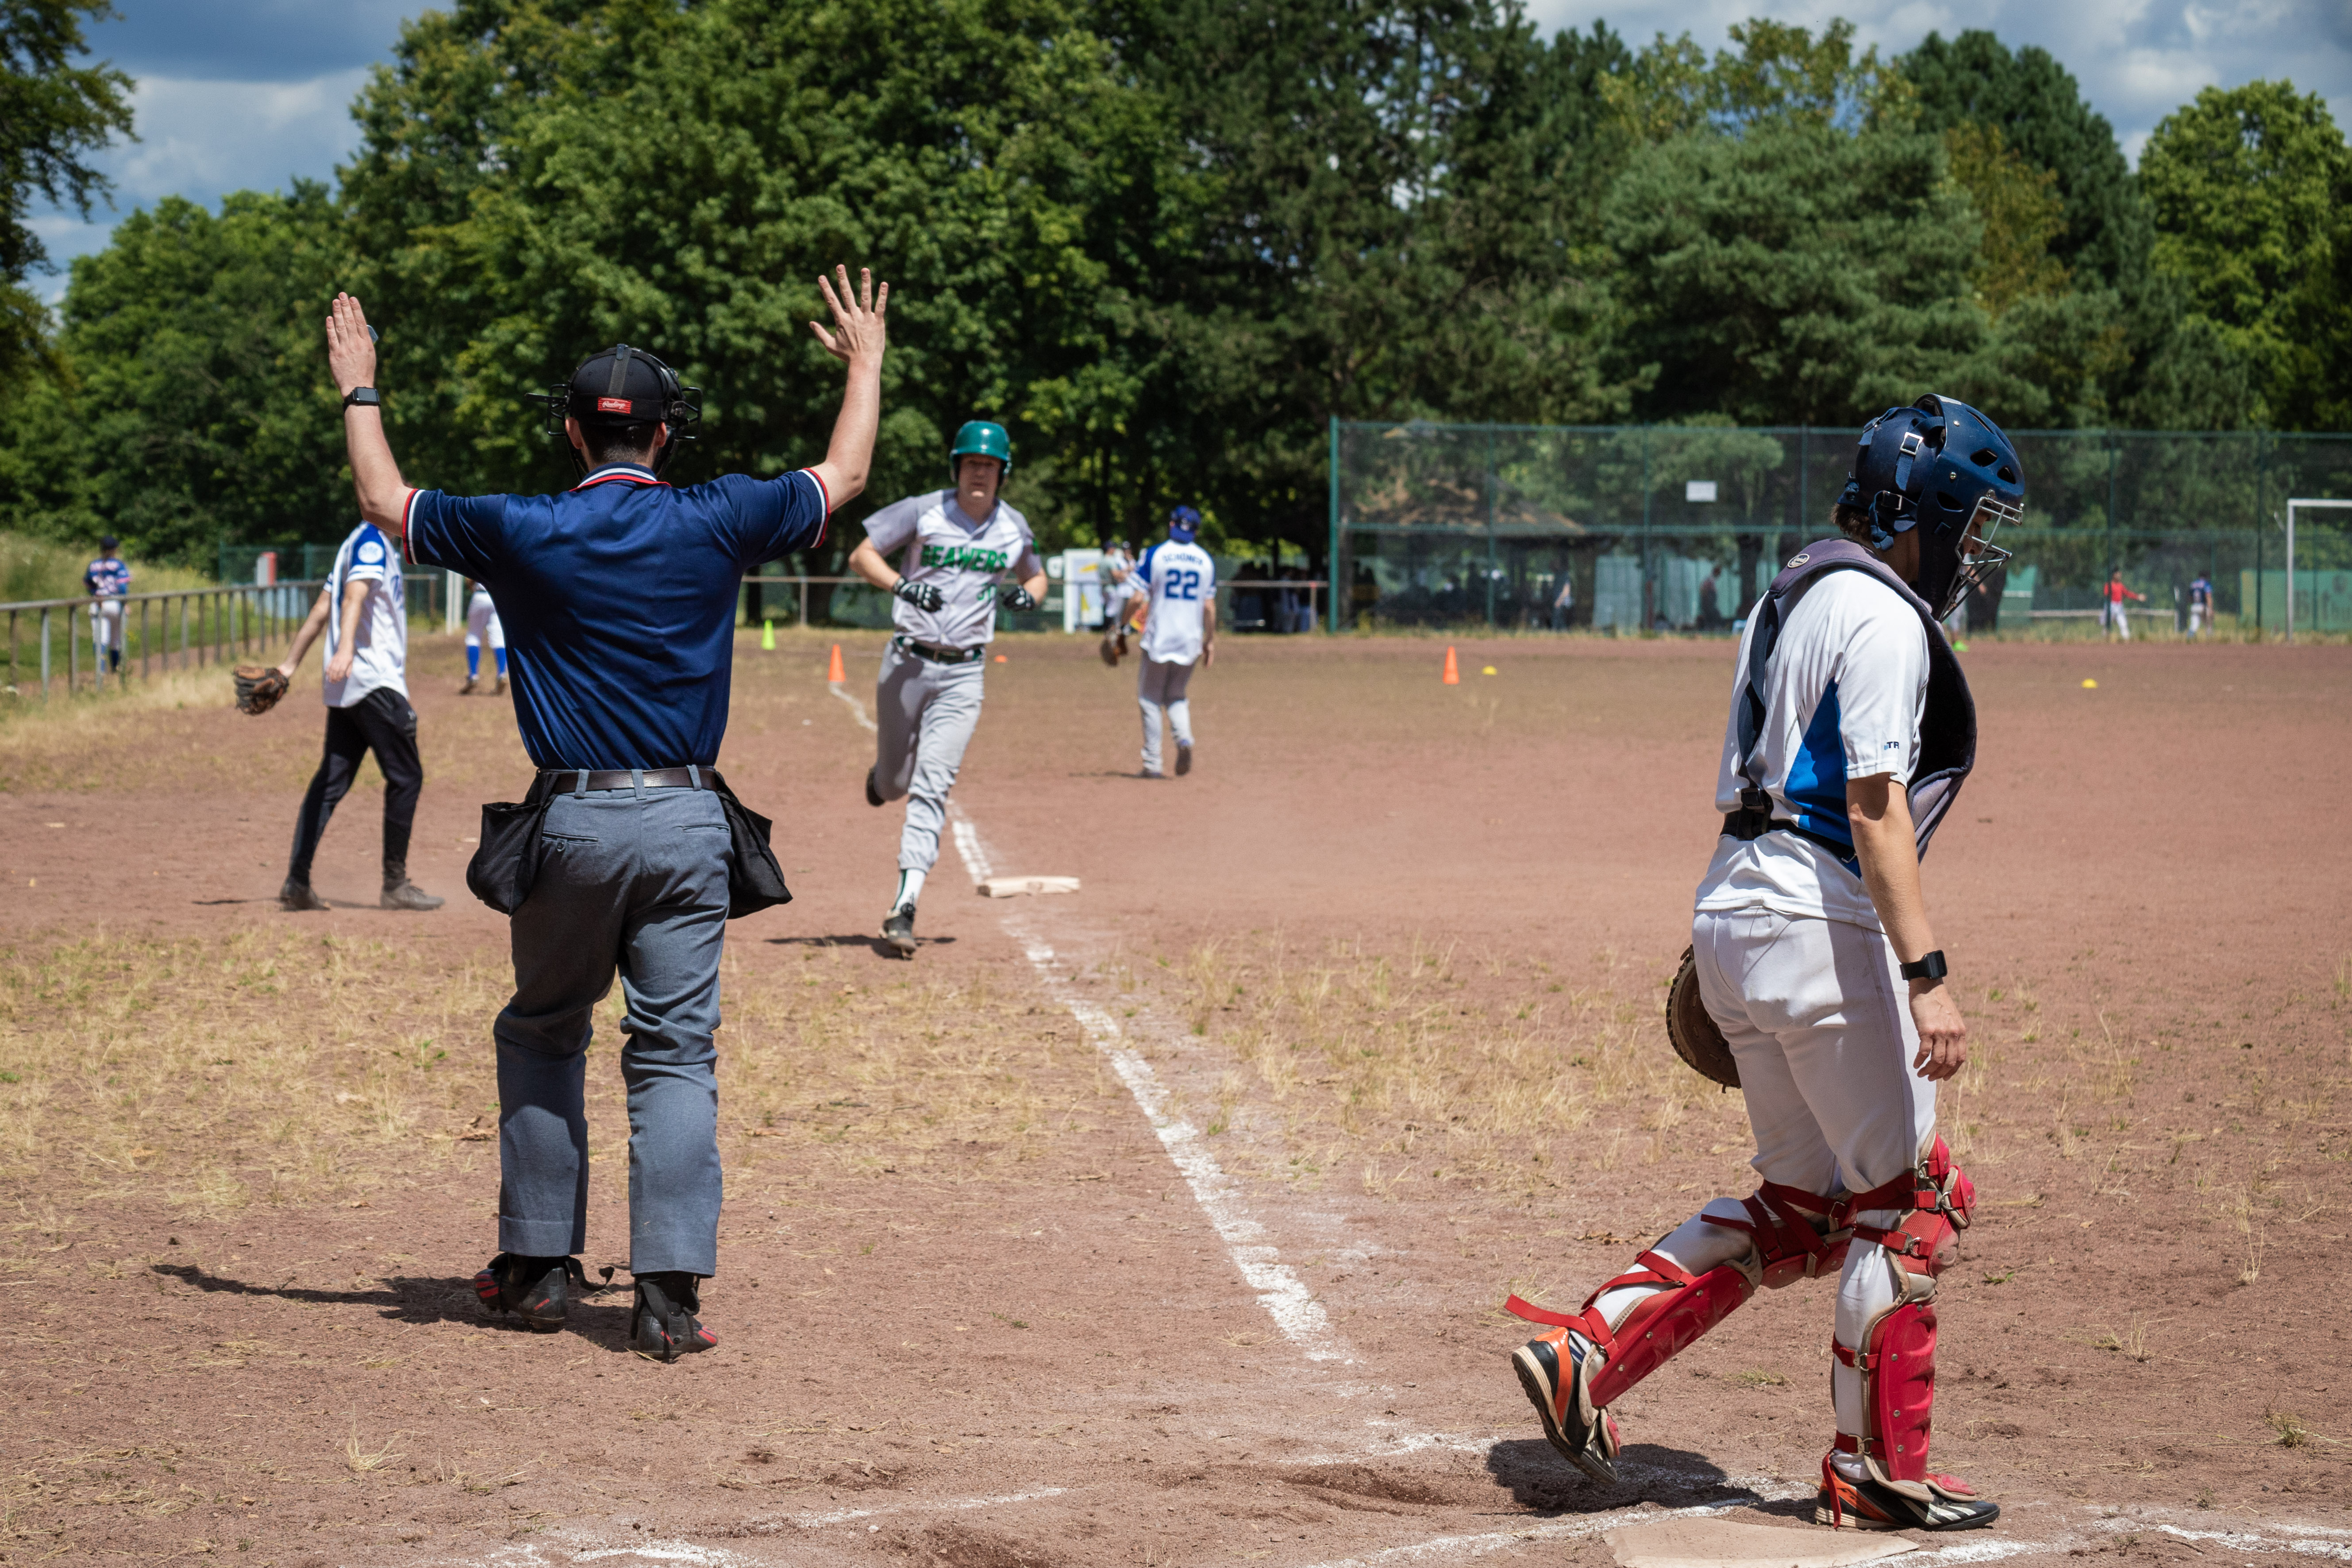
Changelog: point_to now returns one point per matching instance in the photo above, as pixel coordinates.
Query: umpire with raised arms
(618, 598)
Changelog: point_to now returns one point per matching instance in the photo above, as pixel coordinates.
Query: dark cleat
(898, 930)
(664, 1326)
(1184, 759)
(296, 897)
(872, 796)
(1586, 1438)
(1950, 1503)
(536, 1289)
(406, 895)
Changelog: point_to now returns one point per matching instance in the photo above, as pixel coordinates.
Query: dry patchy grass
(272, 1067)
(1431, 1064)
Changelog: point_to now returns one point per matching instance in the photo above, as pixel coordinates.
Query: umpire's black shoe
(898, 930)
(664, 1326)
(536, 1289)
(296, 897)
(872, 796)
(406, 895)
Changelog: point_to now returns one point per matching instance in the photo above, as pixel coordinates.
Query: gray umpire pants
(1159, 687)
(633, 881)
(924, 714)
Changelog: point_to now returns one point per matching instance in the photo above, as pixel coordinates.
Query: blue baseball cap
(1183, 524)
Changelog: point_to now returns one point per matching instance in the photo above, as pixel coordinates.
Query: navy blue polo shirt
(618, 599)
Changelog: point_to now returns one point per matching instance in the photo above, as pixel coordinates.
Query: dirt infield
(1167, 1223)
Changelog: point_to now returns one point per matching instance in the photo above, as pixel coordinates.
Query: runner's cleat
(664, 1327)
(872, 796)
(1845, 1503)
(406, 895)
(296, 897)
(536, 1289)
(471, 682)
(1585, 1438)
(898, 930)
(1184, 759)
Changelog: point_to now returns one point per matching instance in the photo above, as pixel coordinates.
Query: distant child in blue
(106, 581)
(2200, 605)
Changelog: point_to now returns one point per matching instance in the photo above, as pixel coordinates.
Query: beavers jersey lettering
(936, 544)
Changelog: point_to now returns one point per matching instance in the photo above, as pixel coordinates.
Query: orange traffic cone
(1453, 670)
(833, 672)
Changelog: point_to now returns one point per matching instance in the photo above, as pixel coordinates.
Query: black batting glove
(924, 596)
(1017, 597)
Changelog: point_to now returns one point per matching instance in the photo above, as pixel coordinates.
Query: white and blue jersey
(1177, 581)
(380, 648)
(109, 577)
(1844, 690)
(619, 598)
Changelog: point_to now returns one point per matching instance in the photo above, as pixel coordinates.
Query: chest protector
(1948, 730)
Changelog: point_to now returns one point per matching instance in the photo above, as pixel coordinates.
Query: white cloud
(203, 138)
(2137, 61)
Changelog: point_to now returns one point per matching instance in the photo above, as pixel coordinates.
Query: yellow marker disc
(2090, 685)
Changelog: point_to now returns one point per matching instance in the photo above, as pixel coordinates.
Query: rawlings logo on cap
(613, 405)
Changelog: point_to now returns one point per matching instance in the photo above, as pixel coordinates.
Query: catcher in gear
(1816, 986)
(259, 687)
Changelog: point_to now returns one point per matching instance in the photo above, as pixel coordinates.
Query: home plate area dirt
(1168, 1222)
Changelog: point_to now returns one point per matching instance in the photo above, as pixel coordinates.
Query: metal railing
(759, 584)
(212, 624)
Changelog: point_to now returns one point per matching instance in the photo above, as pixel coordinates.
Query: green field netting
(1482, 525)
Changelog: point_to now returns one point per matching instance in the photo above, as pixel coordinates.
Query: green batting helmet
(981, 439)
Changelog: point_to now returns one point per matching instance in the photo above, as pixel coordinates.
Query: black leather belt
(943, 655)
(566, 780)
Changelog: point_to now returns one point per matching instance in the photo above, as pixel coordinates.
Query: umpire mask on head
(623, 387)
(1941, 467)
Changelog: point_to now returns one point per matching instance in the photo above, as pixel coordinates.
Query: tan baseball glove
(1692, 1032)
(258, 687)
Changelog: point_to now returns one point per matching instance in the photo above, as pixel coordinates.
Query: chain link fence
(1678, 528)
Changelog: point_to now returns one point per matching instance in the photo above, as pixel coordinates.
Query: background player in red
(2118, 617)
(1850, 729)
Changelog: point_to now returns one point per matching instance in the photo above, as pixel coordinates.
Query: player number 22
(1183, 584)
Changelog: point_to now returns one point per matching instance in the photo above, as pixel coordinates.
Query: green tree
(2039, 110)
(542, 177)
(1761, 285)
(200, 408)
(2248, 186)
(54, 114)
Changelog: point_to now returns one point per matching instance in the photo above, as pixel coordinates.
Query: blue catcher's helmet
(1183, 524)
(1942, 463)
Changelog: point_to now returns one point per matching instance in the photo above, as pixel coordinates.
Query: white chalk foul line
(952, 1505)
(854, 706)
(1284, 1296)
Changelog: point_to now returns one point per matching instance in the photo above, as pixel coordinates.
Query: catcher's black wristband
(1929, 968)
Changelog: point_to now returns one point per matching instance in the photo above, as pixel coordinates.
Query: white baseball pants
(106, 623)
(2120, 620)
(1820, 1023)
(482, 627)
(924, 714)
(1159, 690)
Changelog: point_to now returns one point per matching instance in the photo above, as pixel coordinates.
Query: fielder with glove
(954, 545)
(1819, 989)
(363, 612)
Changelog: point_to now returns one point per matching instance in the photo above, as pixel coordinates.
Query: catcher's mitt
(259, 687)
(1693, 1034)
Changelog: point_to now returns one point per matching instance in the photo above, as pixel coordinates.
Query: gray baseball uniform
(926, 708)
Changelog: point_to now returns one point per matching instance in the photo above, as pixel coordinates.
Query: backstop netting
(1680, 527)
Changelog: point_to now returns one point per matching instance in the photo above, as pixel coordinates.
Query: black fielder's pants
(382, 722)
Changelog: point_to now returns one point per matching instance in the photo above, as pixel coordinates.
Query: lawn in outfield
(1385, 972)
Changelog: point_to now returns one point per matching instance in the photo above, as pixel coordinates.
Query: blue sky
(238, 94)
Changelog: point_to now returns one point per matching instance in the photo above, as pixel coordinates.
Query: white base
(1733, 1543)
(1017, 887)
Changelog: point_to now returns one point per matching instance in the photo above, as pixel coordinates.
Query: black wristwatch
(1929, 968)
(363, 397)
